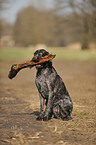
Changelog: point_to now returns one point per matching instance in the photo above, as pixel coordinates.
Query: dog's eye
(40, 53)
(44, 54)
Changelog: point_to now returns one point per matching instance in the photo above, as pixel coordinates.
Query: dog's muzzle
(35, 59)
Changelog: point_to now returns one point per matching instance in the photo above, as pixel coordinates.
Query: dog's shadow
(36, 113)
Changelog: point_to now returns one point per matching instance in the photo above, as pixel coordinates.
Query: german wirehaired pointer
(54, 97)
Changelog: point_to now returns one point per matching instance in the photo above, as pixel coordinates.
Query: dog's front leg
(41, 115)
(48, 110)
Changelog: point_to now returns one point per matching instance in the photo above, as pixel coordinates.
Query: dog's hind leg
(65, 108)
(56, 112)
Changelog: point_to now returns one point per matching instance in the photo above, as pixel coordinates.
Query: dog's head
(37, 56)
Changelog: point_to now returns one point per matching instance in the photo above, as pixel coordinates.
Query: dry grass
(19, 100)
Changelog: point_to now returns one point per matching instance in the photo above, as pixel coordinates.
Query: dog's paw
(47, 117)
(40, 117)
(67, 118)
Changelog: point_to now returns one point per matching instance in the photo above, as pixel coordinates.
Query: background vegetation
(69, 21)
(61, 54)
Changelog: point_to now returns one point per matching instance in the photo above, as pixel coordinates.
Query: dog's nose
(35, 59)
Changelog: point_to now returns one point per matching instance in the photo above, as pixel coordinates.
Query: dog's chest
(41, 84)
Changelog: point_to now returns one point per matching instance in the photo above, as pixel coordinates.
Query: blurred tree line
(82, 21)
(70, 21)
(5, 27)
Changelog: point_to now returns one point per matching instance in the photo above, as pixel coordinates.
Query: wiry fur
(52, 91)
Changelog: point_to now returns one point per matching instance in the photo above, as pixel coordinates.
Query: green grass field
(61, 54)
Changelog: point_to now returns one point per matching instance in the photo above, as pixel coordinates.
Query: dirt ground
(19, 107)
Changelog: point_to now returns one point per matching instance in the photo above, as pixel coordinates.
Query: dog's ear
(44, 52)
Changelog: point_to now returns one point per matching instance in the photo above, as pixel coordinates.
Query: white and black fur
(54, 97)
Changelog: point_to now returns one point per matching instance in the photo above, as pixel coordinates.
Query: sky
(15, 6)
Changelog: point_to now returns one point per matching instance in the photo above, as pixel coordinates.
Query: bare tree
(3, 5)
(84, 12)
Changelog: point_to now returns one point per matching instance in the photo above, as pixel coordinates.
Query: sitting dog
(52, 91)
